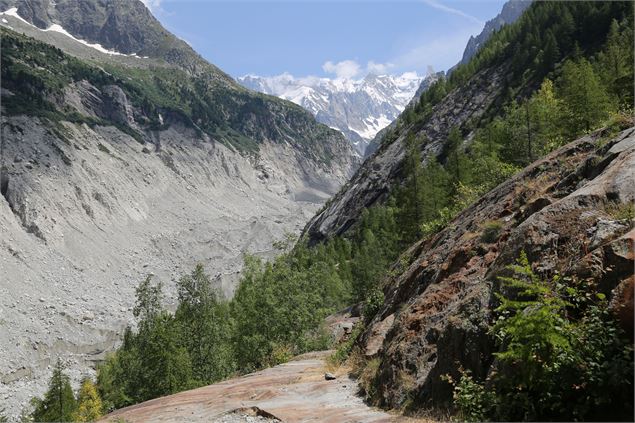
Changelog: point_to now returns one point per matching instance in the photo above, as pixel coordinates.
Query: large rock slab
(292, 392)
(565, 211)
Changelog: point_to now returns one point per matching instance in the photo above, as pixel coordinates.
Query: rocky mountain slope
(563, 211)
(374, 179)
(125, 154)
(570, 212)
(124, 26)
(357, 108)
(510, 13)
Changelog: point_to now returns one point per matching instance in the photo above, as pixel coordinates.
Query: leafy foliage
(562, 356)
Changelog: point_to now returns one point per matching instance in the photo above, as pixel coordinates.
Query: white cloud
(379, 68)
(439, 6)
(345, 69)
(348, 69)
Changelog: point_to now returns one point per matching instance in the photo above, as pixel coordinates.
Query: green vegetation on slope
(562, 356)
(39, 74)
(535, 47)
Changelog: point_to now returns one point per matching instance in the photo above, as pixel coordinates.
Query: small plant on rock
(491, 231)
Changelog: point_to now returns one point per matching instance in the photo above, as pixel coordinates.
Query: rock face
(511, 11)
(563, 211)
(293, 392)
(378, 174)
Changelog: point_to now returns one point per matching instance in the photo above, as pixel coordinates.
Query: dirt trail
(292, 392)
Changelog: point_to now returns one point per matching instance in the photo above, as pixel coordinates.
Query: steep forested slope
(514, 302)
(510, 67)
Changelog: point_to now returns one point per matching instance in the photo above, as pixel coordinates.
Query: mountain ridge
(359, 108)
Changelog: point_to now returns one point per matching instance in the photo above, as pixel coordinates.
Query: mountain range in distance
(359, 108)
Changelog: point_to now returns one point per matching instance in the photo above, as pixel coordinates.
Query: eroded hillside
(116, 166)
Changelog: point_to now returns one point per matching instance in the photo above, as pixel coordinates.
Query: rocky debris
(242, 418)
(76, 240)
(247, 415)
(329, 376)
(291, 392)
(436, 313)
(340, 325)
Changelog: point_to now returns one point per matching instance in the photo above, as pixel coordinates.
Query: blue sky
(328, 37)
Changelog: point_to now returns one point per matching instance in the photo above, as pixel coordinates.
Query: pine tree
(454, 155)
(585, 99)
(410, 193)
(161, 365)
(551, 53)
(546, 118)
(59, 403)
(89, 404)
(367, 266)
(616, 62)
(435, 189)
(148, 304)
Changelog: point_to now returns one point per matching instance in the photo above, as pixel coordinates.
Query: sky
(326, 38)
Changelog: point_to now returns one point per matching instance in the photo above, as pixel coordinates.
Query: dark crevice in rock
(4, 182)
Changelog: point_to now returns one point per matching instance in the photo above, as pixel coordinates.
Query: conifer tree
(454, 155)
(616, 62)
(585, 99)
(435, 188)
(410, 193)
(203, 321)
(59, 403)
(89, 403)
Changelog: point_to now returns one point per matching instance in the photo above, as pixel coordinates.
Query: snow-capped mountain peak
(359, 108)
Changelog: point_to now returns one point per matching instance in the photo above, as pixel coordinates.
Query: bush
(345, 348)
(491, 231)
(562, 356)
(374, 302)
(472, 400)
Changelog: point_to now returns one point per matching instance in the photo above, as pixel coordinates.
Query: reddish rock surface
(566, 211)
(292, 392)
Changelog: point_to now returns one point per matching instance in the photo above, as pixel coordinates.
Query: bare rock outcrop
(569, 212)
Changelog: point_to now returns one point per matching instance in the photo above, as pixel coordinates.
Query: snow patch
(364, 106)
(59, 29)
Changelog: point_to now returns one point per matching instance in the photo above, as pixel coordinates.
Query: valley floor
(292, 392)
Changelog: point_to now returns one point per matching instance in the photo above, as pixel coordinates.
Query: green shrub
(472, 400)
(491, 231)
(345, 348)
(561, 355)
(373, 303)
